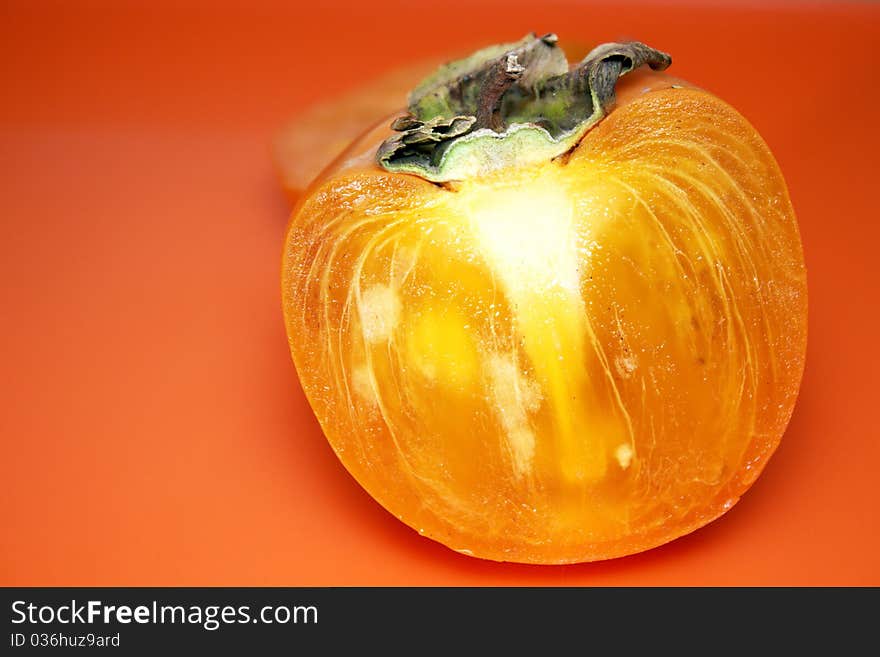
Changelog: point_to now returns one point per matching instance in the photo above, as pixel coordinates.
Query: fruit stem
(506, 105)
(502, 74)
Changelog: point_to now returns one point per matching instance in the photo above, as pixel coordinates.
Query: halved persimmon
(551, 317)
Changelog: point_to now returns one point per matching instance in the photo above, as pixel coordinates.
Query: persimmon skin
(566, 363)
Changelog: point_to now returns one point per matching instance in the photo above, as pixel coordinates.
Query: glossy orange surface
(559, 362)
(153, 428)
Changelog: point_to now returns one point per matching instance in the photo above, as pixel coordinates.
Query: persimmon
(553, 313)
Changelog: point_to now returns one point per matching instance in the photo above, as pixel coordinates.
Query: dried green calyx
(510, 104)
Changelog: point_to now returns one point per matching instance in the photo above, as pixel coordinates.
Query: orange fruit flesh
(563, 363)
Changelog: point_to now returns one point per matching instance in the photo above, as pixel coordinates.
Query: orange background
(153, 429)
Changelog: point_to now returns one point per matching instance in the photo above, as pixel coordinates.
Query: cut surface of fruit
(564, 362)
